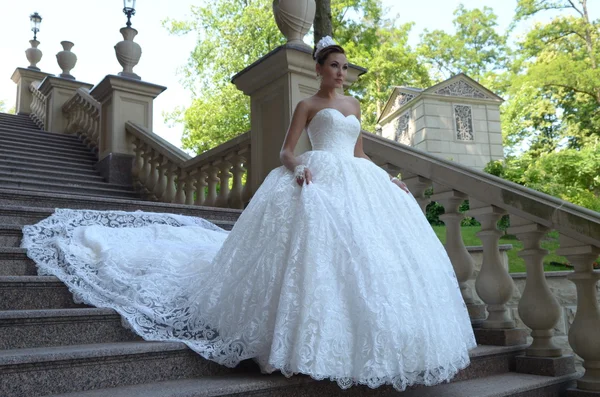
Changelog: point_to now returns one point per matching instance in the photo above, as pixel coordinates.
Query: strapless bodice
(331, 131)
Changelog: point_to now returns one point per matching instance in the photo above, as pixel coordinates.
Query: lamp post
(33, 54)
(129, 10)
(128, 52)
(35, 20)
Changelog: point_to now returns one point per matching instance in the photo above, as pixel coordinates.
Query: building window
(401, 130)
(463, 120)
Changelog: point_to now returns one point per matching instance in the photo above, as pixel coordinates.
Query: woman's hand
(400, 184)
(306, 178)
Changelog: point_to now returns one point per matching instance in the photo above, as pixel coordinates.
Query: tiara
(326, 41)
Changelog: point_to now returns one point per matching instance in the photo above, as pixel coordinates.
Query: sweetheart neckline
(326, 108)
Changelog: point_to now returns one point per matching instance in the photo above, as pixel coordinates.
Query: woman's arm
(286, 155)
(359, 152)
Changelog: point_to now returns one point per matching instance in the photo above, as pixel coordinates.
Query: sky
(93, 25)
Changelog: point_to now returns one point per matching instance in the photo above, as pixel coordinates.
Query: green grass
(515, 263)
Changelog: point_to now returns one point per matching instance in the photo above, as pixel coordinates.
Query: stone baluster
(462, 261)
(493, 284)
(585, 331)
(183, 190)
(201, 176)
(224, 176)
(138, 160)
(171, 171)
(247, 191)
(161, 184)
(189, 181)
(417, 186)
(538, 308)
(212, 180)
(146, 171)
(153, 177)
(235, 196)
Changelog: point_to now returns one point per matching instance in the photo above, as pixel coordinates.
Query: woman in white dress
(331, 271)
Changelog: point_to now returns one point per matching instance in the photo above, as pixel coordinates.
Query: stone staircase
(51, 346)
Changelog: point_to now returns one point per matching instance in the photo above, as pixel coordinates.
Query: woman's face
(333, 70)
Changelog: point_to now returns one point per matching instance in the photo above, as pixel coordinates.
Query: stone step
(35, 158)
(10, 116)
(48, 144)
(19, 124)
(232, 384)
(33, 132)
(42, 150)
(79, 181)
(504, 385)
(14, 260)
(20, 329)
(39, 205)
(34, 293)
(10, 236)
(51, 370)
(68, 188)
(18, 163)
(48, 173)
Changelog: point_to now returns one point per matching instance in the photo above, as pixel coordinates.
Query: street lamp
(129, 10)
(35, 20)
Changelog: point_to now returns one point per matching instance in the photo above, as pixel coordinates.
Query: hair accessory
(326, 41)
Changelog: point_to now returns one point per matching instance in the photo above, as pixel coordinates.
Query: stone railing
(215, 178)
(82, 113)
(38, 105)
(532, 216)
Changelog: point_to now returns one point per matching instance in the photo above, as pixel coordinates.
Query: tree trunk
(322, 24)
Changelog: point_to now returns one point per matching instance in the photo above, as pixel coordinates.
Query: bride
(331, 271)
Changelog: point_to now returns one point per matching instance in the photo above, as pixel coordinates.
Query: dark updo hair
(325, 52)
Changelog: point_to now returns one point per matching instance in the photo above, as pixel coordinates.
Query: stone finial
(294, 18)
(33, 54)
(128, 53)
(66, 60)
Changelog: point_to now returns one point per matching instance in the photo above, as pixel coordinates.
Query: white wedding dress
(341, 279)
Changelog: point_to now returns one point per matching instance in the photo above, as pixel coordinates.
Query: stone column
(538, 308)
(23, 78)
(123, 99)
(462, 261)
(275, 84)
(493, 284)
(584, 334)
(58, 91)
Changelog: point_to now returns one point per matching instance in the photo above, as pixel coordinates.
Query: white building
(457, 119)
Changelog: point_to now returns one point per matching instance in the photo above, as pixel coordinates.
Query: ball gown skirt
(342, 279)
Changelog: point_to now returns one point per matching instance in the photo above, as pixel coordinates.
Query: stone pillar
(462, 261)
(123, 99)
(23, 78)
(538, 308)
(58, 91)
(493, 284)
(275, 84)
(585, 330)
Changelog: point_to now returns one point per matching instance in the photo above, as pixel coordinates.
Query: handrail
(168, 174)
(569, 219)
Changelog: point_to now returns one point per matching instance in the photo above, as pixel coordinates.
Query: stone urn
(33, 54)
(294, 18)
(128, 53)
(66, 60)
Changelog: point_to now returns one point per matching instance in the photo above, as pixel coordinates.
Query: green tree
(476, 48)
(234, 33)
(231, 34)
(557, 69)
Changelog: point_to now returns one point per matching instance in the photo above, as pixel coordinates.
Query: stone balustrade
(532, 215)
(82, 113)
(38, 105)
(216, 178)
